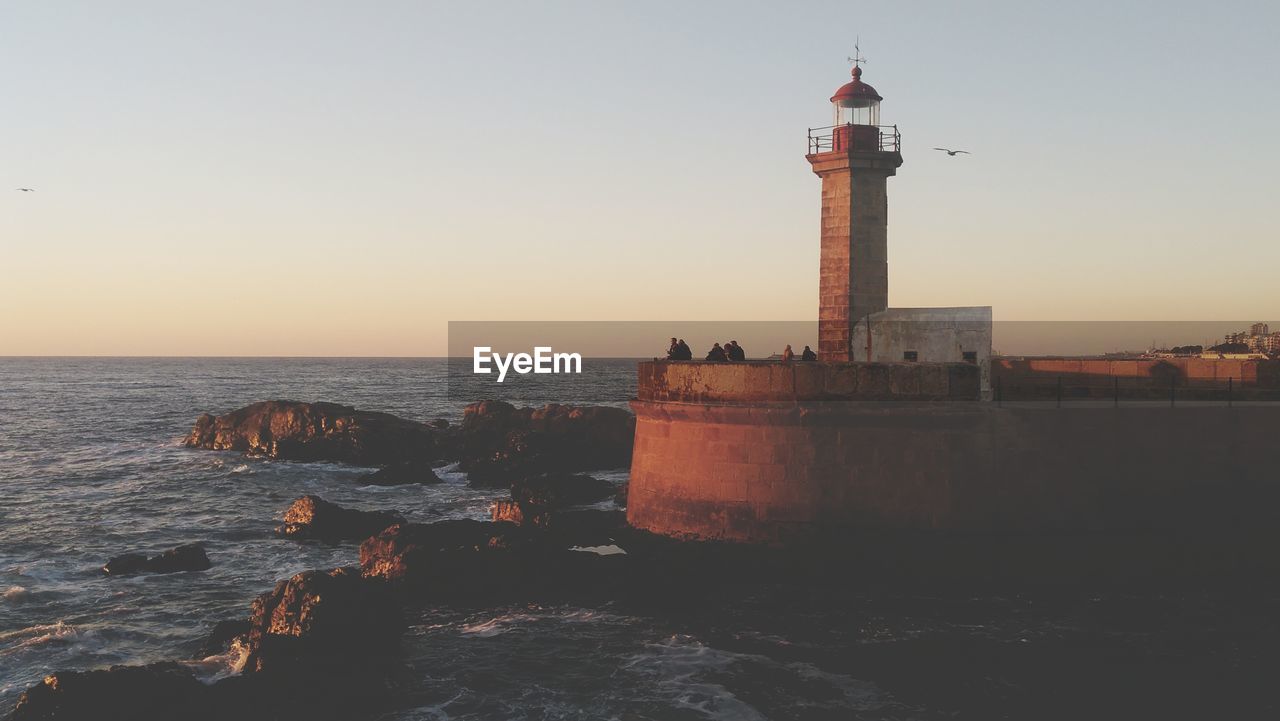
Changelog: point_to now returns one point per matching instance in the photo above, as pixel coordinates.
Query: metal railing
(851, 137)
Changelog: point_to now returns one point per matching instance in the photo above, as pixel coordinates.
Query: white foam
(211, 669)
(38, 635)
(15, 593)
(503, 623)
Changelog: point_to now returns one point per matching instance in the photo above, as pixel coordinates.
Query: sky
(339, 178)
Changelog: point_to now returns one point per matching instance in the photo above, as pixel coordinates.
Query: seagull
(952, 153)
(26, 190)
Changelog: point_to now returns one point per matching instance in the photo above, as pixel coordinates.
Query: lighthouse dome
(856, 94)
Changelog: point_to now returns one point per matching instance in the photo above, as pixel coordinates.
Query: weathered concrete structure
(709, 465)
(938, 335)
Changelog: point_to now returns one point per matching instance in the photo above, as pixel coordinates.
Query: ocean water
(91, 466)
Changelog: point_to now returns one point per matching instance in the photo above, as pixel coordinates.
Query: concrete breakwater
(713, 461)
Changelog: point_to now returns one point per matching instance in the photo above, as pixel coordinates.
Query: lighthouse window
(970, 356)
(910, 356)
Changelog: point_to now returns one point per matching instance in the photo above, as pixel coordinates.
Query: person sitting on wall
(808, 354)
(717, 354)
(735, 351)
(673, 351)
(788, 355)
(686, 353)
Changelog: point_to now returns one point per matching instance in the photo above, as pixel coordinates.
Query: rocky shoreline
(327, 643)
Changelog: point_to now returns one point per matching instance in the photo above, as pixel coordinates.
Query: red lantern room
(857, 115)
(857, 103)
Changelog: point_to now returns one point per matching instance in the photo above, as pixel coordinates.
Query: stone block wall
(720, 454)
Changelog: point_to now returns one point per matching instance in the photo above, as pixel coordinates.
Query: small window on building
(910, 356)
(970, 356)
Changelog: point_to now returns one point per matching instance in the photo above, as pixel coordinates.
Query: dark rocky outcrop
(496, 443)
(312, 517)
(567, 527)
(323, 622)
(545, 502)
(469, 562)
(188, 557)
(296, 431)
(499, 443)
(400, 474)
(403, 551)
(165, 690)
(560, 490)
(223, 634)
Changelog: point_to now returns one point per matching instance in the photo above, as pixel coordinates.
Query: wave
(676, 668)
(15, 593)
(211, 669)
(37, 635)
(503, 623)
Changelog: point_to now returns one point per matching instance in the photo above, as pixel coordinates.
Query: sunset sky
(325, 178)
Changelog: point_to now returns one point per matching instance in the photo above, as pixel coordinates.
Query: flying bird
(27, 190)
(952, 153)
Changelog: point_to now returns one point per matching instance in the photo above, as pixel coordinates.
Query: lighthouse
(876, 435)
(854, 157)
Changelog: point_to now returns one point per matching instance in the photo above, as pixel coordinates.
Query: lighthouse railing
(857, 138)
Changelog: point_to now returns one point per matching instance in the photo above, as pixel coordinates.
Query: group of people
(807, 354)
(731, 351)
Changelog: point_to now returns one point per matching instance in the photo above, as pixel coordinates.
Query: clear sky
(342, 178)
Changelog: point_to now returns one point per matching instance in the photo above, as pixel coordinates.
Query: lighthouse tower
(855, 158)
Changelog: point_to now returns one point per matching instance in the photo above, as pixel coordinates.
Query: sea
(92, 466)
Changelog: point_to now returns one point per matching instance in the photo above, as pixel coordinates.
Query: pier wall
(763, 469)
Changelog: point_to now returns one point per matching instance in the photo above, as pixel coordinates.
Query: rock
(158, 691)
(296, 431)
(566, 527)
(400, 474)
(620, 495)
(558, 490)
(508, 511)
(535, 500)
(585, 527)
(498, 443)
(402, 551)
(312, 517)
(224, 634)
(125, 564)
(188, 557)
(474, 562)
(321, 621)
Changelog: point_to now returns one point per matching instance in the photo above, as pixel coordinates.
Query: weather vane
(857, 58)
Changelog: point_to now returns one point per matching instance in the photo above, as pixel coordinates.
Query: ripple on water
(92, 467)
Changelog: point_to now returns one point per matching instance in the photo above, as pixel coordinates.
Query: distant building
(1258, 340)
(1270, 343)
